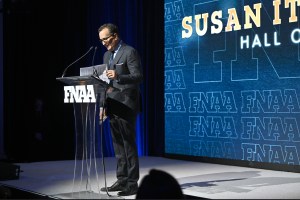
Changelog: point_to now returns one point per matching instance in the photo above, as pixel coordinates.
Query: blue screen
(232, 79)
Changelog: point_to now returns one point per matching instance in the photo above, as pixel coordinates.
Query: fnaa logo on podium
(79, 94)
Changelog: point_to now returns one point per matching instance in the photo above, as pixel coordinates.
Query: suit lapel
(119, 54)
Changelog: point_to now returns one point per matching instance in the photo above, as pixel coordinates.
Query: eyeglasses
(105, 39)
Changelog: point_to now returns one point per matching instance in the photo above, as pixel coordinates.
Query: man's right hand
(102, 114)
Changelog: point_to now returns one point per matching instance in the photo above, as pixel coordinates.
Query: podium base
(85, 195)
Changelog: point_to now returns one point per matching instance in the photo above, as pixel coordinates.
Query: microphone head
(94, 55)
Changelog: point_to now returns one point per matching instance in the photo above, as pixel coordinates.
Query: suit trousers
(123, 138)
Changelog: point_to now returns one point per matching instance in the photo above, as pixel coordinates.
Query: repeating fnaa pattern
(232, 79)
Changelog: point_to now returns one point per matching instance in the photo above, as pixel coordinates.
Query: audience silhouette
(159, 185)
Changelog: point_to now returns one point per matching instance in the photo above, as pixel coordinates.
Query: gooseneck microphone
(76, 61)
(95, 72)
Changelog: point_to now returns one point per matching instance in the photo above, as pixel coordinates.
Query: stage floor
(203, 180)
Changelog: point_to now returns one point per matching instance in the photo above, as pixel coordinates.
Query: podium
(84, 92)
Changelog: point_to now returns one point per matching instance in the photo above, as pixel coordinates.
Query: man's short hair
(113, 29)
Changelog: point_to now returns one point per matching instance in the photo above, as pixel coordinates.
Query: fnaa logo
(79, 94)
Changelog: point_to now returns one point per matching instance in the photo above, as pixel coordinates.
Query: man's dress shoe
(117, 186)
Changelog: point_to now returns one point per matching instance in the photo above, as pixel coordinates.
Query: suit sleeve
(134, 74)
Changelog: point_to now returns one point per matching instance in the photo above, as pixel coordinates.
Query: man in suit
(123, 104)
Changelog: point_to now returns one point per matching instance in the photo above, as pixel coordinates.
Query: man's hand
(102, 114)
(111, 74)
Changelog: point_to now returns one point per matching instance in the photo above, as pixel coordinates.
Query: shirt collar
(118, 47)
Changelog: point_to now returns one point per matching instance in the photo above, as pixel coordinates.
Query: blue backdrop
(234, 93)
(126, 15)
(144, 31)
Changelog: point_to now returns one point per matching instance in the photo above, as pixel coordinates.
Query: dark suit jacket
(128, 67)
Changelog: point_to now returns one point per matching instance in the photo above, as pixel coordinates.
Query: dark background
(41, 38)
(1, 83)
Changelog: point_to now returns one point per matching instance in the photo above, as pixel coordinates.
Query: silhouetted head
(159, 185)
